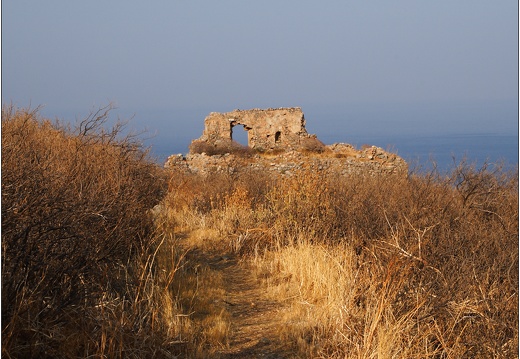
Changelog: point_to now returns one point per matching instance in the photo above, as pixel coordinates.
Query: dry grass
(199, 292)
(418, 266)
(221, 148)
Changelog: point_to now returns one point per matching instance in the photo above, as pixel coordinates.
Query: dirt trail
(255, 319)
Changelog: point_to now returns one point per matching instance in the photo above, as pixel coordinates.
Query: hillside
(309, 252)
(405, 266)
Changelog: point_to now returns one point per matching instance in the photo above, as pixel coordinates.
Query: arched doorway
(239, 133)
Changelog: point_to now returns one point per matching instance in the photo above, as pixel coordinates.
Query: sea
(446, 151)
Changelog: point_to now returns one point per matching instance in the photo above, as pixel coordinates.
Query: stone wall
(338, 159)
(270, 129)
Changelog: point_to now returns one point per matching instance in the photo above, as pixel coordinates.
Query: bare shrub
(202, 147)
(77, 239)
(312, 145)
(425, 265)
(452, 243)
(221, 148)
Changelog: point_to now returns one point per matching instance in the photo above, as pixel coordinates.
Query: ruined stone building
(281, 128)
(277, 129)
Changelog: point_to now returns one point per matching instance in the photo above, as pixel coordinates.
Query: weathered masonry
(281, 128)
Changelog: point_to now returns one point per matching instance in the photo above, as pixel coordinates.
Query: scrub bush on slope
(76, 238)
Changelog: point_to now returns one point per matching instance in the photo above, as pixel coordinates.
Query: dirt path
(254, 319)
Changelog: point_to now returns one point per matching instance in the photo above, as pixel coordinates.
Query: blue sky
(353, 66)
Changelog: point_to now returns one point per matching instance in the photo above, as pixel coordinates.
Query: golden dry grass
(418, 266)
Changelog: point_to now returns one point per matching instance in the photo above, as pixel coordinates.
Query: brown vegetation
(223, 147)
(422, 266)
(417, 266)
(312, 145)
(77, 240)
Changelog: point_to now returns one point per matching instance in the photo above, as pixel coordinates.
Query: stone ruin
(282, 132)
(270, 129)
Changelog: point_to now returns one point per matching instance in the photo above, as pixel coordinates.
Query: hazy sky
(346, 63)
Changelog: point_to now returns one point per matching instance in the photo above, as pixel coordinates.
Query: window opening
(277, 136)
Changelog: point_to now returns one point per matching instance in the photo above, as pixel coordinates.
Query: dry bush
(203, 147)
(312, 145)
(231, 204)
(448, 247)
(221, 148)
(426, 265)
(78, 241)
